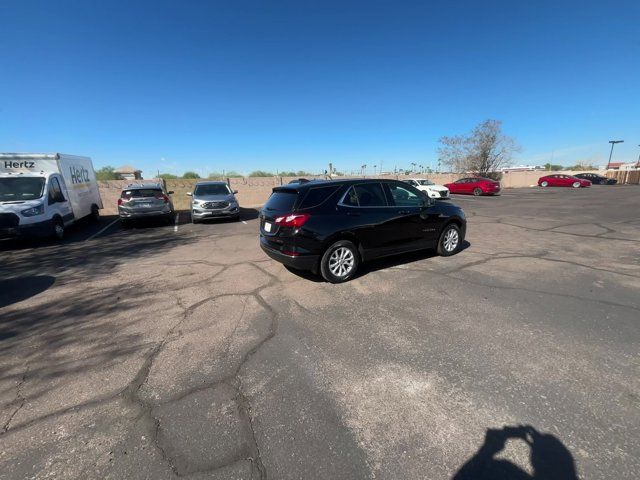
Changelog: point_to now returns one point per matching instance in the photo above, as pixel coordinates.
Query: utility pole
(612, 142)
(638, 162)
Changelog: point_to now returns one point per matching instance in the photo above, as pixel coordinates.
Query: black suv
(331, 226)
(596, 179)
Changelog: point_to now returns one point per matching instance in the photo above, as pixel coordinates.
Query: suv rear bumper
(147, 214)
(300, 262)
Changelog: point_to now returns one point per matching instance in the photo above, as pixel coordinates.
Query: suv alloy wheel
(340, 262)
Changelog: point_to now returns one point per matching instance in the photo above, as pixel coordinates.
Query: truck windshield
(15, 189)
(212, 189)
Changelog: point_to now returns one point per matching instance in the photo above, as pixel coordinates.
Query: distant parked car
(474, 186)
(561, 180)
(596, 178)
(145, 200)
(430, 188)
(213, 200)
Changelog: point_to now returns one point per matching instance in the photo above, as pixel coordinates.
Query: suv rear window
(317, 195)
(281, 201)
(141, 193)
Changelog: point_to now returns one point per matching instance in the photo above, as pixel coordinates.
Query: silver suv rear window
(141, 193)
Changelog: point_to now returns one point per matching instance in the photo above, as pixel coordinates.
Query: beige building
(127, 172)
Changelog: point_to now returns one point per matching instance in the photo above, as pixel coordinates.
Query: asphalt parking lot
(181, 350)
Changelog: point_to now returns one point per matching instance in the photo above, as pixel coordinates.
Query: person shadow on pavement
(550, 459)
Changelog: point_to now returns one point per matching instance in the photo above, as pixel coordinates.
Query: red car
(475, 186)
(560, 180)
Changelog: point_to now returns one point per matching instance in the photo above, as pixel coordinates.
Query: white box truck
(42, 194)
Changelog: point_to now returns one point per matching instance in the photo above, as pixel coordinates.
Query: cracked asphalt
(155, 353)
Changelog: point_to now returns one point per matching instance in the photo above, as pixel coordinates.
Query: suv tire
(340, 262)
(450, 240)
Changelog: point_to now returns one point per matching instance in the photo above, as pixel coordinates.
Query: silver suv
(145, 200)
(213, 199)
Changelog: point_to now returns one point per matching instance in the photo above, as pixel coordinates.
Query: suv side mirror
(427, 201)
(189, 194)
(170, 192)
(235, 192)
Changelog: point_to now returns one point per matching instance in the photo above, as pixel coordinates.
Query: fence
(254, 191)
(628, 177)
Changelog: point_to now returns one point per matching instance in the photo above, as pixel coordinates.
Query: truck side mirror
(170, 192)
(189, 194)
(235, 192)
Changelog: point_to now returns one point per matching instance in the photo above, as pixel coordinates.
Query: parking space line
(175, 226)
(101, 231)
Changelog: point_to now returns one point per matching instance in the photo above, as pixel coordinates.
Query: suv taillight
(294, 220)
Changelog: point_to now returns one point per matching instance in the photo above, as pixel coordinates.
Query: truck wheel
(58, 229)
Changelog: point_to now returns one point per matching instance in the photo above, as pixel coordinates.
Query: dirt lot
(168, 351)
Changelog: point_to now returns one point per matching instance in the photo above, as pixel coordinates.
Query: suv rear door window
(370, 195)
(317, 195)
(365, 195)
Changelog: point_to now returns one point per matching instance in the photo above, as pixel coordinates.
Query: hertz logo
(12, 164)
(79, 174)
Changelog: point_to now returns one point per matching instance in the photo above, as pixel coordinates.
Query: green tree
(229, 174)
(106, 173)
(582, 166)
(260, 173)
(190, 175)
(550, 167)
(168, 176)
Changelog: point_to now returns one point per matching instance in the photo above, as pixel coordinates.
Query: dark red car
(474, 186)
(561, 180)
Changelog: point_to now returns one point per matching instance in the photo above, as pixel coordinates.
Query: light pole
(612, 142)
(638, 162)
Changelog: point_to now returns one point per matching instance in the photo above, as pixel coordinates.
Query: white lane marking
(105, 228)
(244, 222)
(175, 225)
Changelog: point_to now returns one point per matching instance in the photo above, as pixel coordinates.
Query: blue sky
(294, 84)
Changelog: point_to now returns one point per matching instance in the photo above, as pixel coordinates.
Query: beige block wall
(254, 191)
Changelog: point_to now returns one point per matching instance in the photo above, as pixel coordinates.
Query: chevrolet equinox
(330, 227)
